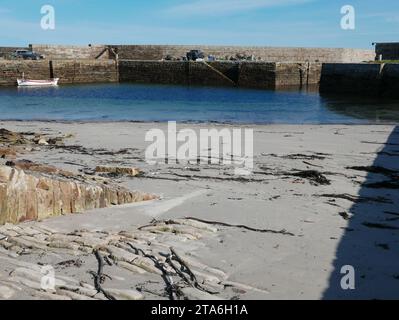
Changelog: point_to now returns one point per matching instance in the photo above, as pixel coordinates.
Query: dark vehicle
(193, 55)
(27, 55)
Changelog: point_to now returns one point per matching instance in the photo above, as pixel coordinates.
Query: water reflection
(374, 110)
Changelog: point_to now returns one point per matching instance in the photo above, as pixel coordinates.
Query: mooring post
(51, 69)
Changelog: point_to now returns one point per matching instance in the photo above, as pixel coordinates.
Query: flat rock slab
(113, 265)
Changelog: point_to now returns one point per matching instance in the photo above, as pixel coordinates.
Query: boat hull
(37, 83)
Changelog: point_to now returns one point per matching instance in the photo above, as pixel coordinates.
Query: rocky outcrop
(30, 166)
(34, 191)
(35, 195)
(150, 262)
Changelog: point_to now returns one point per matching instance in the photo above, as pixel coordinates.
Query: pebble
(42, 142)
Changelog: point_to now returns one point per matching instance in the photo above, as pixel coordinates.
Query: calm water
(130, 102)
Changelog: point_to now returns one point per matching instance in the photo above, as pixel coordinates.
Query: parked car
(194, 55)
(27, 55)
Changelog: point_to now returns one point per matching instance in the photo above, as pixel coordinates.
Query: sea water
(132, 102)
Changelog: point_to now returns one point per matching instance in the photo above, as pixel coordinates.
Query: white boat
(37, 83)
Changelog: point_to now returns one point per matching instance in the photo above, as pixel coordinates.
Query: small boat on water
(37, 83)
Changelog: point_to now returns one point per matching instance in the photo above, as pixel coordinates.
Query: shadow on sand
(371, 241)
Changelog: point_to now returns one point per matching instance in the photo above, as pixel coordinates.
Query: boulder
(43, 142)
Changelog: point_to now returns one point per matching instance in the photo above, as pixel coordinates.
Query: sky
(291, 23)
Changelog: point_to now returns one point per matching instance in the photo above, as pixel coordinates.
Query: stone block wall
(153, 72)
(203, 75)
(70, 71)
(158, 52)
(141, 52)
(267, 54)
(297, 74)
(368, 79)
(177, 72)
(58, 52)
(280, 67)
(263, 75)
(260, 75)
(365, 79)
(85, 71)
(10, 70)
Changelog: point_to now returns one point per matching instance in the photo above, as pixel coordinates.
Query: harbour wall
(267, 54)
(262, 75)
(380, 80)
(366, 79)
(273, 68)
(58, 52)
(159, 52)
(69, 71)
(177, 72)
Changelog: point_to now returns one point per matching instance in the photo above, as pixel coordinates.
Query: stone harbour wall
(58, 52)
(11, 70)
(273, 68)
(244, 74)
(85, 71)
(158, 52)
(365, 79)
(177, 72)
(297, 74)
(153, 72)
(69, 71)
(261, 75)
(267, 54)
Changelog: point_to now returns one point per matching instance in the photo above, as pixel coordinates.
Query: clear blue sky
(314, 23)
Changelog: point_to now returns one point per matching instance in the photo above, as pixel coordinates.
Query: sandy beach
(316, 189)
